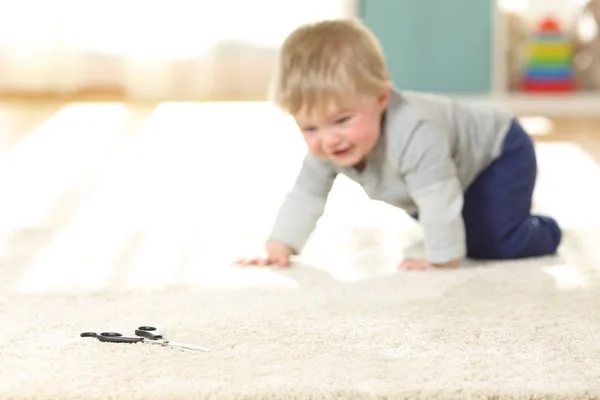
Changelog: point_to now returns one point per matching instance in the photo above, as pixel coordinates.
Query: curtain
(160, 49)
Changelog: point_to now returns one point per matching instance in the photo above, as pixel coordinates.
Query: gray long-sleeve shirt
(431, 149)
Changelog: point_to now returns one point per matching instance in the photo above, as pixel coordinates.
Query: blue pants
(497, 206)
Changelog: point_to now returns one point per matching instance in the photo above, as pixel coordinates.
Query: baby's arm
(304, 204)
(430, 175)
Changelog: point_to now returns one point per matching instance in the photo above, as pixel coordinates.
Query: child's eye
(342, 120)
(309, 129)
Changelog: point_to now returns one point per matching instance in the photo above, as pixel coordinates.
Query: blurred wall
(435, 45)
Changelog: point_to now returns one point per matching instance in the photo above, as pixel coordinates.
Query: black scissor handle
(148, 332)
(112, 337)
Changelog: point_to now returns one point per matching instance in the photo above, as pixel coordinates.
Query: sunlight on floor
(154, 190)
(352, 221)
(223, 275)
(567, 277)
(197, 183)
(569, 184)
(48, 161)
(568, 188)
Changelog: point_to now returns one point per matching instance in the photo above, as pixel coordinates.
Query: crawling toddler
(465, 172)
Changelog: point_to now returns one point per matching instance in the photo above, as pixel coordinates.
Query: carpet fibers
(519, 330)
(341, 323)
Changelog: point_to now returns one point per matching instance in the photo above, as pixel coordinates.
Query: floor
(112, 183)
(126, 183)
(584, 131)
(119, 215)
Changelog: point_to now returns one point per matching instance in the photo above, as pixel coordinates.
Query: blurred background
(139, 50)
(225, 50)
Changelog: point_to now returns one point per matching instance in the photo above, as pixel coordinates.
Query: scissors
(144, 334)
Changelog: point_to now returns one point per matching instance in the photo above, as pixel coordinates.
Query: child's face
(345, 136)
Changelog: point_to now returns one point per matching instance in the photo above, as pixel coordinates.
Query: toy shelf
(538, 48)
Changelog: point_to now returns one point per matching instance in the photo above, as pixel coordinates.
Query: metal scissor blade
(178, 345)
(187, 346)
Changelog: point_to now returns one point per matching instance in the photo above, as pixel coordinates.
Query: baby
(466, 173)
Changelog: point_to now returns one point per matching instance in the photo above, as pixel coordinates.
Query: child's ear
(384, 96)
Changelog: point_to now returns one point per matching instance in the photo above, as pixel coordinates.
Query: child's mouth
(342, 152)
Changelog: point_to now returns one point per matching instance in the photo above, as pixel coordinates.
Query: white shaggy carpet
(340, 324)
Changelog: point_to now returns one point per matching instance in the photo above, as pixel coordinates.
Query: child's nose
(331, 138)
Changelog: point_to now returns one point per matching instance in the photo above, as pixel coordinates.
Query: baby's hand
(277, 253)
(411, 264)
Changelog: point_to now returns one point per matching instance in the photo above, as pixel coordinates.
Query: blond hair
(331, 60)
